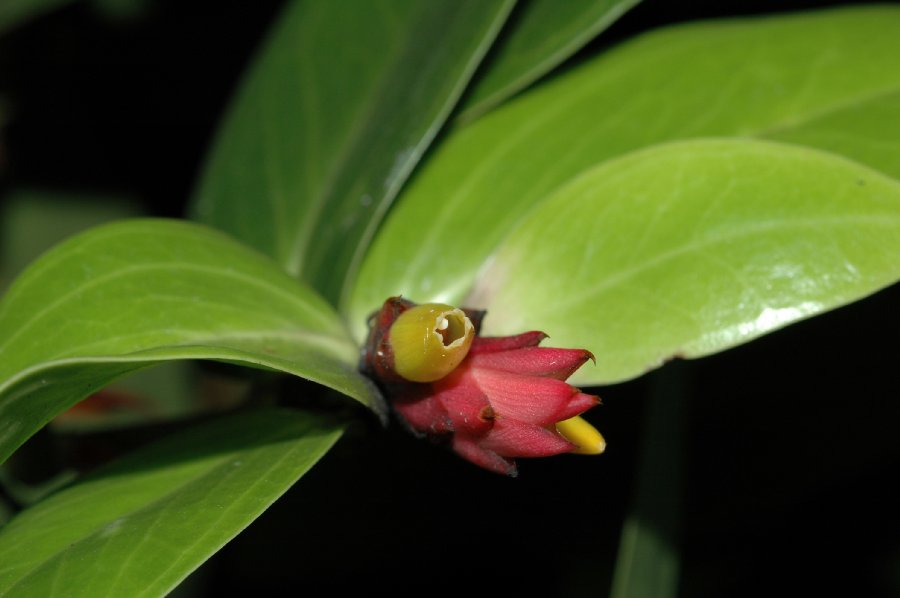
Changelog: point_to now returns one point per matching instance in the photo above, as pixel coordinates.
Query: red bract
(503, 401)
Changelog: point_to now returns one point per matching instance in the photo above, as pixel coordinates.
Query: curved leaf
(690, 248)
(127, 295)
(141, 525)
(341, 105)
(32, 221)
(867, 131)
(790, 75)
(543, 33)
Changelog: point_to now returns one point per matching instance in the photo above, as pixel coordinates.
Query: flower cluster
(492, 398)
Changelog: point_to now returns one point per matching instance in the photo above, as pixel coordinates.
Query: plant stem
(649, 560)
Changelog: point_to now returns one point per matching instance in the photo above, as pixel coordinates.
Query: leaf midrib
(148, 267)
(839, 106)
(295, 261)
(152, 355)
(510, 142)
(160, 501)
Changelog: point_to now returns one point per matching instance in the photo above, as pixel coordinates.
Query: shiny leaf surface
(131, 294)
(542, 34)
(828, 79)
(343, 101)
(687, 249)
(139, 526)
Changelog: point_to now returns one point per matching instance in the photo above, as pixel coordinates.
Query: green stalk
(649, 561)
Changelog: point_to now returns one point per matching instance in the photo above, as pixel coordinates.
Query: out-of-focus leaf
(340, 106)
(17, 12)
(828, 78)
(32, 221)
(122, 9)
(690, 248)
(541, 34)
(141, 525)
(649, 560)
(867, 131)
(131, 294)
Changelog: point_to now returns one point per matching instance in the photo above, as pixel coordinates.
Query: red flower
(504, 400)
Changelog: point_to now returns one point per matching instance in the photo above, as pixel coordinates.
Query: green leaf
(128, 295)
(867, 131)
(32, 221)
(542, 34)
(339, 108)
(690, 248)
(140, 526)
(831, 77)
(14, 13)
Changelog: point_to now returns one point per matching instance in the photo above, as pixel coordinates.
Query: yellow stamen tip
(585, 437)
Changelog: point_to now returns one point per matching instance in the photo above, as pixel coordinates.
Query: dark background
(791, 449)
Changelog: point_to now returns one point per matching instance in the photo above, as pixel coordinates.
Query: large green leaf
(693, 247)
(31, 222)
(829, 79)
(541, 34)
(867, 131)
(127, 295)
(139, 526)
(342, 103)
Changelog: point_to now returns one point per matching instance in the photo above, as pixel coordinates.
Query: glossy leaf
(340, 106)
(31, 222)
(690, 248)
(828, 79)
(541, 35)
(141, 525)
(128, 295)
